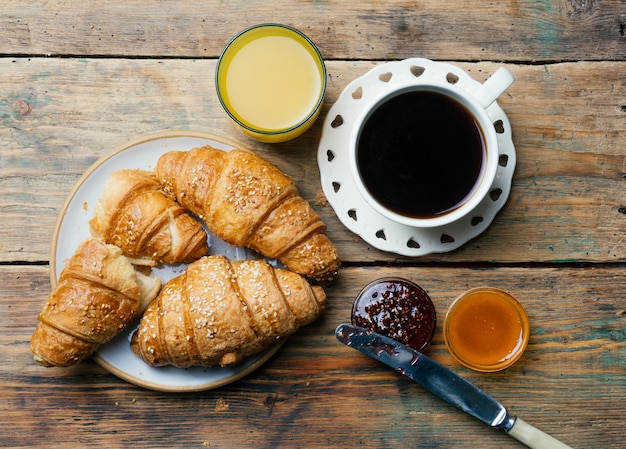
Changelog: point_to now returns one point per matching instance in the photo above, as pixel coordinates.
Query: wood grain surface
(510, 30)
(317, 393)
(567, 201)
(81, 78)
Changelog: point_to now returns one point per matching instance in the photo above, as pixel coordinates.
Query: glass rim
(323, 74)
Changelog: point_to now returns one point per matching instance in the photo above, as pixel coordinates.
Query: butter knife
(445, 384)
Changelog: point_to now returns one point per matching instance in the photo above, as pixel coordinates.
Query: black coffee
(420, 154)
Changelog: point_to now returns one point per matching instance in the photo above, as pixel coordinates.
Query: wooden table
(79, 78)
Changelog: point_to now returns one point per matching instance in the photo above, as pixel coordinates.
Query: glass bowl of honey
(271, 81)
(486, 329)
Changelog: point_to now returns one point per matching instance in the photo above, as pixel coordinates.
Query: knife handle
(533, 437)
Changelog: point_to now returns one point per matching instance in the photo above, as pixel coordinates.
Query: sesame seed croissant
(247, 201)
(148, 225)
(98, 294)
(218, 312)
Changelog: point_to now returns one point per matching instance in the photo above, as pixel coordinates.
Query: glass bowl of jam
(486, 329)
(397, 308)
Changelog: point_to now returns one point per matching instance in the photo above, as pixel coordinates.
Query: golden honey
(486, 329)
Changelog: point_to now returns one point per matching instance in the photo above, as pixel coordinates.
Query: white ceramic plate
(338, 183)
(72, 228)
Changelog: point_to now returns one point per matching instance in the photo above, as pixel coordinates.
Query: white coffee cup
(413, 83)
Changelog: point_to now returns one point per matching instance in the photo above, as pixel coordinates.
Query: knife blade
(444, 383)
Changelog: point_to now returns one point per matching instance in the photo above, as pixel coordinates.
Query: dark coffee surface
(420, 154)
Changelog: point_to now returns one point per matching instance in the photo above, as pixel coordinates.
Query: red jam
(397, 308)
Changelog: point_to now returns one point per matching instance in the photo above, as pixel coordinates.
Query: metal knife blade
(433, 376)
(444, 383)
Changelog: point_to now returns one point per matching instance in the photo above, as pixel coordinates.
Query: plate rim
(262, 357)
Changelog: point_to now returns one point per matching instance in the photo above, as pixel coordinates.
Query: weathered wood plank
(568, 202)
(314, 392)
(142, 66)
(550, 30)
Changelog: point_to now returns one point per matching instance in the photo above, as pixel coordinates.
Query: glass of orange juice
(271, 81)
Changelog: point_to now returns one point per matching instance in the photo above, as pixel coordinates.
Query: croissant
(135, 214)
(98, 294)
(247, 201)
(218, 312)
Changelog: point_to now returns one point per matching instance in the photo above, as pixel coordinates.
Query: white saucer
(352, 208)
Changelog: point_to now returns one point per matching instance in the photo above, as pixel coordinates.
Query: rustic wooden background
(79, 78)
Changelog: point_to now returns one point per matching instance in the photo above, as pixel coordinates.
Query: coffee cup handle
(494, 87)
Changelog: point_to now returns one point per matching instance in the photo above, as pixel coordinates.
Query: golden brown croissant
(247, 201)
(218, 312)
(98, 294)
(135, 214)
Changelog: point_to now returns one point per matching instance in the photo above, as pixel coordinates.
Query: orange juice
(271, 81)
(486, 329)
